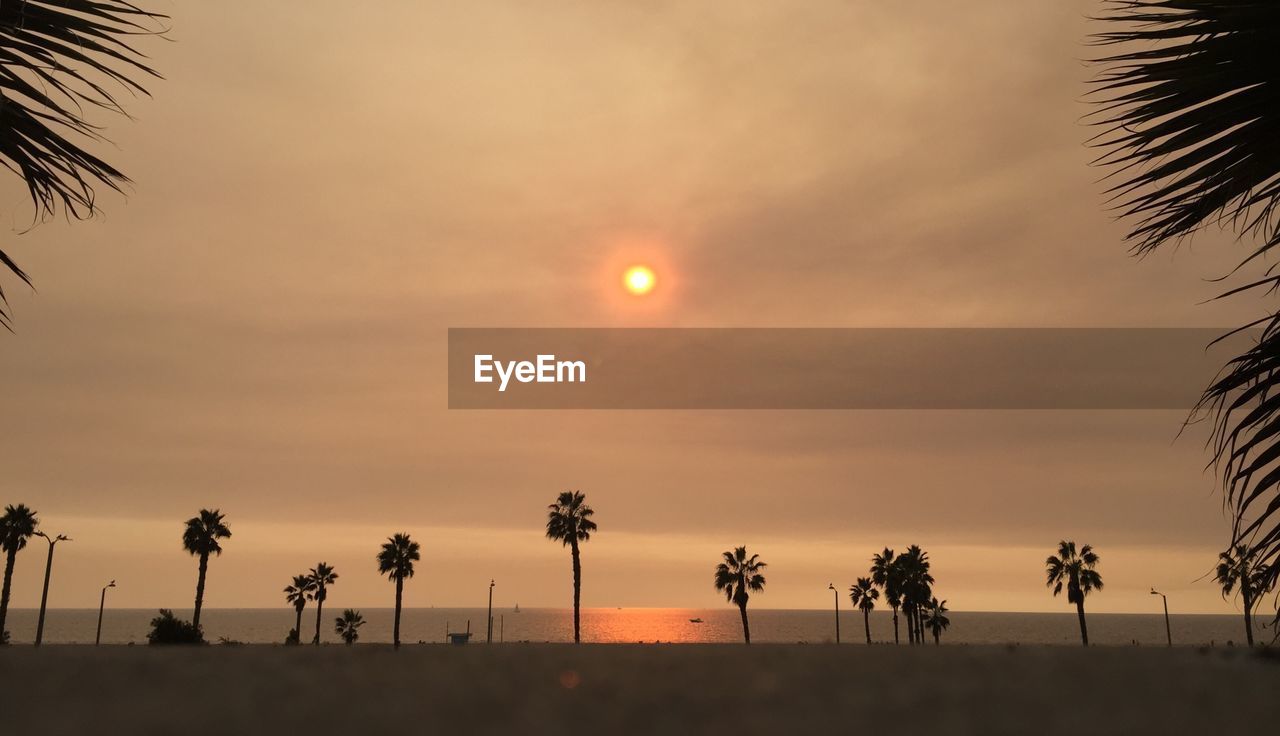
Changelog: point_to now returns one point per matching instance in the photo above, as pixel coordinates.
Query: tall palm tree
(569, 522)
(395, 560)
(1191, 109)
(60, 60)
(935, 618)
(737, 577)
(1238, 572)
(916, 583)
(17, 526)
(1077, 573)
(298, 594)
(348, 626)
(200, 538)
(888, 575)
(863, 594)
(321, 576)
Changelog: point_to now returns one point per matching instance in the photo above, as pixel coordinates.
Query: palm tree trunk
(297, 627)
(577, 589)
(746, 628)
(1248, 611)
(1084, 630)
(204, 568)
(936, 636)
(10, 556)
(395, 635)
(895, 625)
(319, 609)
(866, 622)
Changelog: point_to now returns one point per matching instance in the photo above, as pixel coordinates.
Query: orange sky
(260, 325)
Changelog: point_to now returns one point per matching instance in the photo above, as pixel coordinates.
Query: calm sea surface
(630, 625)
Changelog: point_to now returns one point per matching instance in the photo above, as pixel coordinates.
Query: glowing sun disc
(639, 280)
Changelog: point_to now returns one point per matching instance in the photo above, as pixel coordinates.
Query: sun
(639, 280)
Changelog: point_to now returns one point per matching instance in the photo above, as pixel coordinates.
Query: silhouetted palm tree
(888, 575)
(321, 576)
(864, 595)
(298, 594)
(1237, 572)
(1077, 573)
(200, 538)
(916, 584)
(18, 525)
(348, 626)
(395, 560)
(569, 522)
(935, 618)
(60, 59)
(1191, 105)
(737, 577)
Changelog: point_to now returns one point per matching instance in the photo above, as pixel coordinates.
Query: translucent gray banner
(766, 368)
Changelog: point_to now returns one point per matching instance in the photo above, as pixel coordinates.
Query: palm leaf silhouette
(59, 60)
(1190, 106)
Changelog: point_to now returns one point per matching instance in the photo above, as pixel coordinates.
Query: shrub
(169, 629)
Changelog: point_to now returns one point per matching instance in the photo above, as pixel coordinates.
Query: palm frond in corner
(1189, 103)
(59, 62)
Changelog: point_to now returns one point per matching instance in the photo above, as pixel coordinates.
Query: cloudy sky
(260, 325)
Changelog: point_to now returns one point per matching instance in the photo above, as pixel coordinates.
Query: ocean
(632, 625)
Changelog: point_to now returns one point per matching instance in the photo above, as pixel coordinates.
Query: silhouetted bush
(292, 639)
(168, 629)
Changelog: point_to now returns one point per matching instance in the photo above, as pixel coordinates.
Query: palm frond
(1244, 402)
(201, 533)
(738, 574)
(569, 518)
(59, 60)
(1190, 106)
(18, 524)
(397, 555)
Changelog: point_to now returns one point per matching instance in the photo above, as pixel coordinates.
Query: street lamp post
(102, 603)
(48, 570)
(1168, 632)
(489, 639)
(832, 588)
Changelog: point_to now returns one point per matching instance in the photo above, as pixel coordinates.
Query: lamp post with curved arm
(832, 588)
(1168, 632)
(48, 570)
(489, 636)
(102, 603)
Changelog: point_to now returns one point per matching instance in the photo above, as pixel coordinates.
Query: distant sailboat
(517, 609)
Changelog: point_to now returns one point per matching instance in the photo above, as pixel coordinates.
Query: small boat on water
(695, 620)
(517, 609)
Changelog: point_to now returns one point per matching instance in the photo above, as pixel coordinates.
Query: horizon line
(825, 611)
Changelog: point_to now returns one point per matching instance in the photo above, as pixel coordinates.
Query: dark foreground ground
(621, 689)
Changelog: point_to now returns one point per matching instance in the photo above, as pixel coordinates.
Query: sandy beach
(622, 689)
